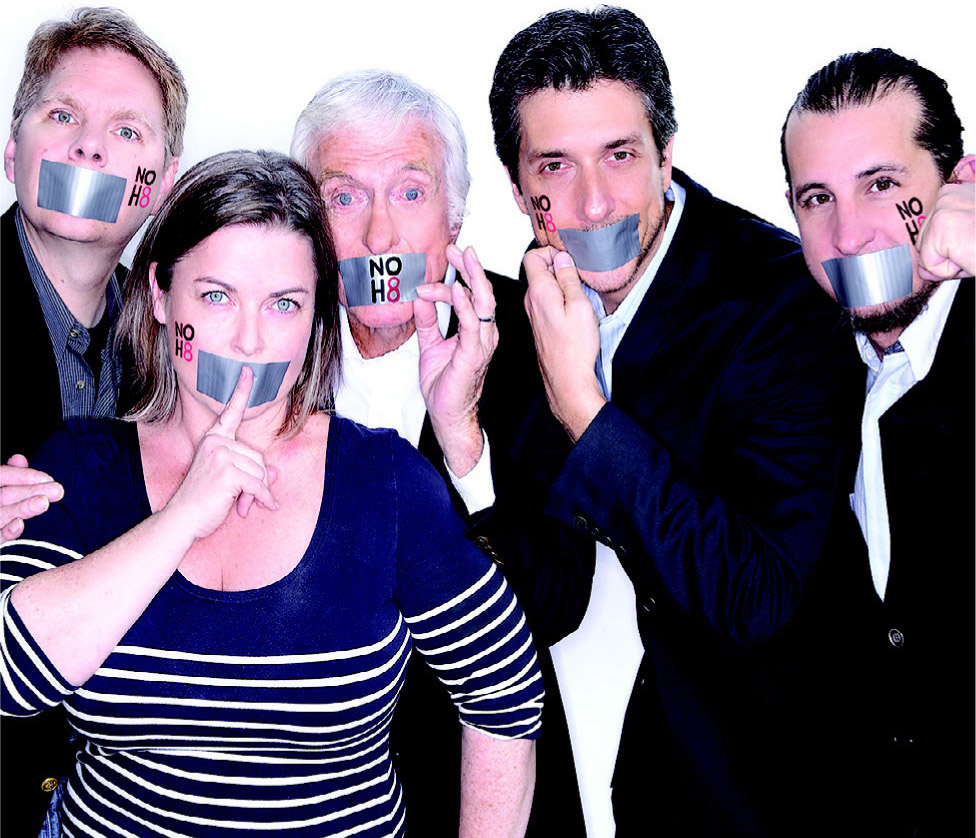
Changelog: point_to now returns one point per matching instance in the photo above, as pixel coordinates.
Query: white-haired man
(391, 161)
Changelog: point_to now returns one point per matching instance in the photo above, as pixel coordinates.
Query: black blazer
(30, 395)
(711, 473)
(905, 664)
(425, 736)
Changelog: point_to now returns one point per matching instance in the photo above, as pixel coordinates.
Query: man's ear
(517, 192)
(454, 231)
(789, 199)
(158, 296)
(9, 157)
(666, 164)
(964, 171)
(167, 181)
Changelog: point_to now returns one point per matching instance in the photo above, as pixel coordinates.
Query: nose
(248, 336)
(853, 229)
(380, 233)
(596, 202)
(88, 144)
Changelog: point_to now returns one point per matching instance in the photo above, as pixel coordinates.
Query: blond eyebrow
(124, 115)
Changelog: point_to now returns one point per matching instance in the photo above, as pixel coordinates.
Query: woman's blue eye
(62, 117)
(344, 198)
(214, 296)
(412, 194)
(284, 304)
(127, 133)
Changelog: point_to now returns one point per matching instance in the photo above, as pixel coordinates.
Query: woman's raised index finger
(230, 418)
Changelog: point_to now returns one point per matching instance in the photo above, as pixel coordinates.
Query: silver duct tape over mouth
(604, 249)
(217, 377)
(83, 193)
(367, 278)
(871, 279)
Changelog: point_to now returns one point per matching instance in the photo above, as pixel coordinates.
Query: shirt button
(649, 604)
(80, 385)
(896, 638)
(73, 333)
(580, 522)
(49, 785)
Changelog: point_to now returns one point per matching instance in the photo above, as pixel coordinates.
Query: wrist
(461, 442)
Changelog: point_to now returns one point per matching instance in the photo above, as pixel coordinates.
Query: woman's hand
(224, 472)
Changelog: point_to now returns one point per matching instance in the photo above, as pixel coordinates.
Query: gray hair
(371, 98)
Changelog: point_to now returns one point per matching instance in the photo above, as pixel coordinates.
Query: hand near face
(224, 472)
(452, 370)
(946, 244)
(24, 493)
(567, 338)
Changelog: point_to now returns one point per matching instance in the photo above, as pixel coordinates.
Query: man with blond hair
(95, 140)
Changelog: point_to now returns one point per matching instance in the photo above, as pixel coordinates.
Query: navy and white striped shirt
(234, 713)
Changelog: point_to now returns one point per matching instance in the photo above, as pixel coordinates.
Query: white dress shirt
(597, 664)
(889, 378)
(384, 392)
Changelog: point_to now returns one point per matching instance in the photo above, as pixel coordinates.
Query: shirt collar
(920, 339)
(628, 306)
(59, 319)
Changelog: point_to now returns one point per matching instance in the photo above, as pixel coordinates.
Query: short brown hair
(256, 188)
(101, 28)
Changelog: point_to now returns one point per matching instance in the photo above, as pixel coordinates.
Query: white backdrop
(735, 68)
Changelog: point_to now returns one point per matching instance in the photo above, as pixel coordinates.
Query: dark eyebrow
(286, 291)
(808, 187)
(550, 154)
(631, 140)
(546, 155)
(275, 294)
(882, 167)
(218, 282)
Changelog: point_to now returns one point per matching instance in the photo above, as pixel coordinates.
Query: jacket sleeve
(729, 526)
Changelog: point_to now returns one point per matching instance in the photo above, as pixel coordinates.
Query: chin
(607, 282)
(72, 228)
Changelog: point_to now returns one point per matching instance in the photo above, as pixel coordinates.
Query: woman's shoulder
(81, 443)
(373, 447)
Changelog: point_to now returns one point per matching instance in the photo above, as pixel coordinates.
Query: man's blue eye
(412, 194)
(344, 198)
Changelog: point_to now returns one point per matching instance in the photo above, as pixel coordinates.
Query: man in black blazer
(874, 160)
(450, 379)
(96, 95)
(696, 373)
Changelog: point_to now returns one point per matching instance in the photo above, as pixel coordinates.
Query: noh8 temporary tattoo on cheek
(910, 212)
